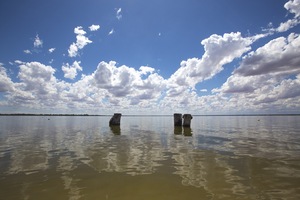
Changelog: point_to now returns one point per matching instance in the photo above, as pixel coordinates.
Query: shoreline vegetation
(98, 115)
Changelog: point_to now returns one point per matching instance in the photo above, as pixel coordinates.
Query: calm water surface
(236, 157)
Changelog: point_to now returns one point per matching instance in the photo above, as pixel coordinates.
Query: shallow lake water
(219, 157)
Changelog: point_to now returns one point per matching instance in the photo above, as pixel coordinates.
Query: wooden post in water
(115, 119)
(187, 118)
(177, 119)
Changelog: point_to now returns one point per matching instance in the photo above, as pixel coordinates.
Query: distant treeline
(26, 114)
(250, 115)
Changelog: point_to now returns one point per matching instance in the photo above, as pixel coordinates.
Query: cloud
(285, 26)
(94, 27)
(123, 87)
(81, 42)
(79, 31)
(6, 83)
(261, 79)
(19, 62)
(262, 91)
(219, 50)
(51, 50)
(256, 85)
(38, 43)
(145, 70)
(73, 49)
(30, 72)
(293, 6)
(279, 56)
(126, 82)
(267, 78)
(27, 51)
(267, 99)
(241, 84)
(111, 32)
(119, 14)
(71, 71)
(109, 85)
(268, 65)
(82, 94)
(289, 88)
(37, 86)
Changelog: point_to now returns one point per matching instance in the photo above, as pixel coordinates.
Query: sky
(150, 57)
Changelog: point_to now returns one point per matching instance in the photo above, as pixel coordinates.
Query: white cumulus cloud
(51, 50)
(285, 26)
(79, 30)
(6, 83)
(73, 49)
(19, 62)
(37, 42)
(27, 51)
(293, 6)
(219, 50)
(125, 82)
(38, 85)
(266, 79)
(70, 71)
(94, 27)
(279, 56)
(81, 42)
(261, 79)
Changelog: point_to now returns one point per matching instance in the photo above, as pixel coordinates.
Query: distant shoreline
(98, 115)
(27, 114)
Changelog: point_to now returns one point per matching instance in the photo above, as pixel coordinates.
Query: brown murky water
(237, 157)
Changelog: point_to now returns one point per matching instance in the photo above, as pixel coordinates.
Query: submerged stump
(178, 130)
(115, 119)
(187, 131)
(187, 118)
(115, 129)
(177, 119)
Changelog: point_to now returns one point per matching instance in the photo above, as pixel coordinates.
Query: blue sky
(153, 57)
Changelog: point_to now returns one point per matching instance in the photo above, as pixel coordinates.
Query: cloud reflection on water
(244, 162)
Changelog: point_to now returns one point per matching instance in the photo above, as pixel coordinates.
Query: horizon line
(146, 115)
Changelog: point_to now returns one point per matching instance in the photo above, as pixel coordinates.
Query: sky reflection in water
(238, 157)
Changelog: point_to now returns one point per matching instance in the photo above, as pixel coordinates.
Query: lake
(81, 157)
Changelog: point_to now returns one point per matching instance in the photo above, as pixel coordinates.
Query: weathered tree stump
(187, 118)
(177, 119)
(115, 119)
